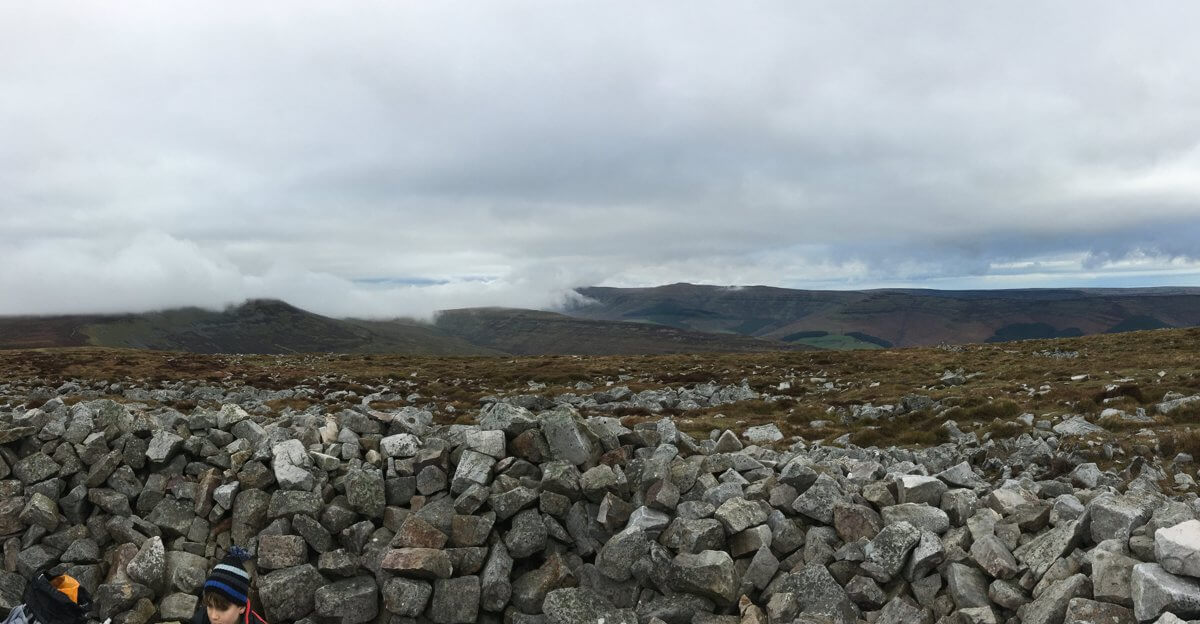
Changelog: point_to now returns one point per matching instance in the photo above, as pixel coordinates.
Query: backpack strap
(257, 618)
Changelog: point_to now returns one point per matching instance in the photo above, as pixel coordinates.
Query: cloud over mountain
(400, 158)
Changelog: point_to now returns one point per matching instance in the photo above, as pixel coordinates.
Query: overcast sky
(394, 158)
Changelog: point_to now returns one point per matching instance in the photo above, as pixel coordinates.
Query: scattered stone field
(1040, 481)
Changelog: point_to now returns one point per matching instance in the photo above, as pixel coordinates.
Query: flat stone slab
(1177, 548)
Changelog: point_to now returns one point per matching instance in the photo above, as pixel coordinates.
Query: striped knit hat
(229, 578)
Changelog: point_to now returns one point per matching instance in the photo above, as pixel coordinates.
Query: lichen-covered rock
(1154, 591)
(709, 573)
(406, 597)
(738, 514)
(920, 490)
(552, 509)
(900, 610)
(818, 594)
(818, 500)
(887, 553)
(854, 522)
(578, 605)
(1051, 606)
(365, 493)
(567, 439)
(426, 563)
(1111, 575)
(351, 601)
(993, 557)
(1041, 552)
(455, 600)
(276, 552)
(919, 515)
(616, 558)
(1115, 517)
(178, 607)
(530, 589)
(149, 566)
(1084, 611)
(474, 468)
(527, 535)
(291, 464)
(967, 586)
(289, 594)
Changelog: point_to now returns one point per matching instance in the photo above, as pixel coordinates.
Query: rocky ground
(616, 493)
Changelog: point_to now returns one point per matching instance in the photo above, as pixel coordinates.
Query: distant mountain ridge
(532, 332)
(677, 318)
(270, 326)
(256, 326)
(897, 317)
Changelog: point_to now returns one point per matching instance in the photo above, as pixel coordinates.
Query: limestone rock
(1154, 591)
(1177, 548)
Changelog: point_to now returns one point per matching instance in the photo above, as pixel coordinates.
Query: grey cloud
(258, 152)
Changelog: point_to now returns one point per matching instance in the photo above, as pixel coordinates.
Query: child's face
(229, 615)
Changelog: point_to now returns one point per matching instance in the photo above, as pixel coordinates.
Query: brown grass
(1188, 414)
(1179, 441)
(986, 404)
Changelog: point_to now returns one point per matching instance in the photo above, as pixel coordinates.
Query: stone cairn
(552, 517)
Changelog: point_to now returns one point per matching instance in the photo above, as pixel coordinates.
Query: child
(58, 600)
(226, 595)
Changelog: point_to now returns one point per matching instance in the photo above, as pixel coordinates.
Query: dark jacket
(46, 605)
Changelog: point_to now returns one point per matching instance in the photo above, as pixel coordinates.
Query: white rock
(763, 434)
(1155, 591)
(1167, 407)
(489, 442)
(401, 445)
(920, 489)
(290, 461)
(1177, 548)
(1078, 426)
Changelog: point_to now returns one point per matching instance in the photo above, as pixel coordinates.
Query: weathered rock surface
(554, 510)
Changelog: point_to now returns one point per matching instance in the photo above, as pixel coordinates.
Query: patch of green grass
(836, 342)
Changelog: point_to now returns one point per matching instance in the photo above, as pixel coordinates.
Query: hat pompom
(241, 555)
